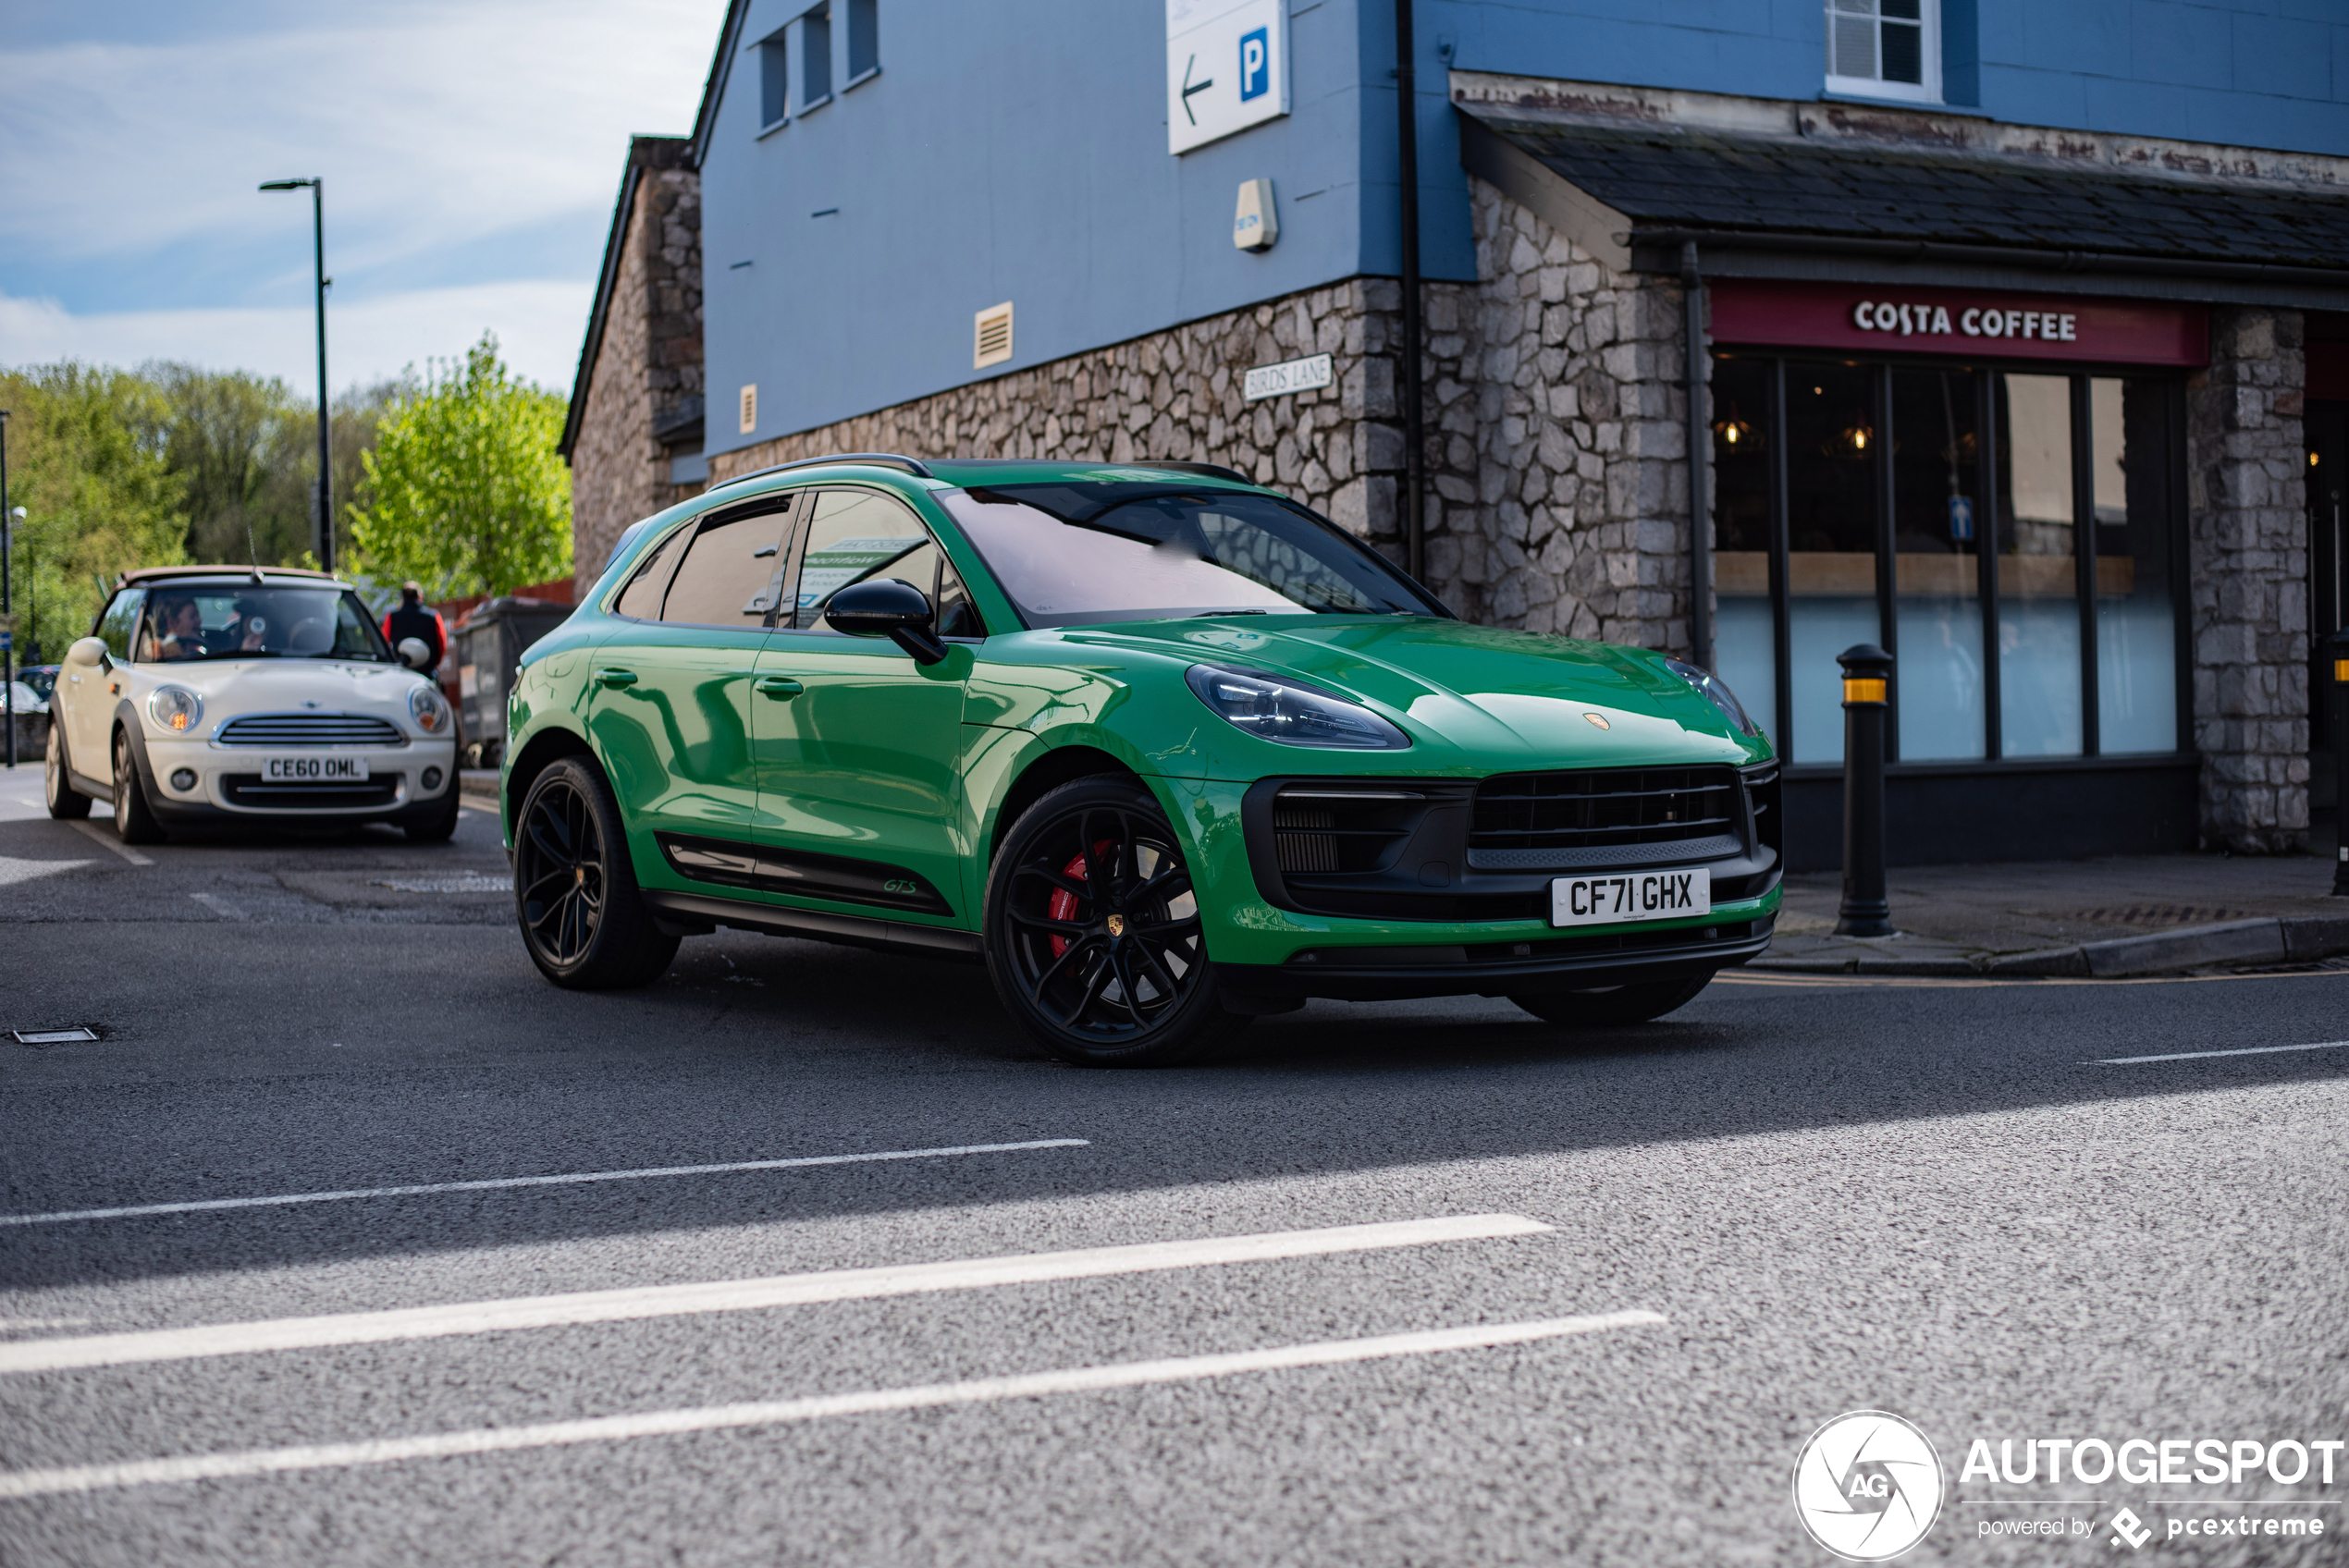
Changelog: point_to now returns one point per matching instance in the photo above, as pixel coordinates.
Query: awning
(1797, 205)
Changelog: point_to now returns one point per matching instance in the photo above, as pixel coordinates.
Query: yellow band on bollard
(1864, 690)
(2341, 671)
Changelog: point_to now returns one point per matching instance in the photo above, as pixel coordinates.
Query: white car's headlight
(1283, 708)
(175, 708)
(429, 709)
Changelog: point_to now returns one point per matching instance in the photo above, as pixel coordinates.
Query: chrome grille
(1600, 816)
(310, 730)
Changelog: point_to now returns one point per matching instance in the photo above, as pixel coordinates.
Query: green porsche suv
(1161, 747)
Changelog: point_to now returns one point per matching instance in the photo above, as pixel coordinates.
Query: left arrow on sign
(1189, 88)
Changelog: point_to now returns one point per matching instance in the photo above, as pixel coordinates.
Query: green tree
(464, 491)
(242, 448)
(86, 461)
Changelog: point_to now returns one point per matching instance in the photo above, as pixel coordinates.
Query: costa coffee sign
(1877, 319)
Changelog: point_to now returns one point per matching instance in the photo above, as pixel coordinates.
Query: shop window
(1885, 48)
(2009, 535)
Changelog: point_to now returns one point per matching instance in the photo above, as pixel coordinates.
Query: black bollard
(2337, 661)
(1864, 912)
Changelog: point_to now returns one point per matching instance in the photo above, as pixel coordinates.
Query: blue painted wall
(1016, 149)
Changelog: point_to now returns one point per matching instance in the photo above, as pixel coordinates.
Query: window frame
(1928, 91)
(1990, 524)
(774, 53)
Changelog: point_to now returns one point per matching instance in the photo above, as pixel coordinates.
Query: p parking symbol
(1256, 63)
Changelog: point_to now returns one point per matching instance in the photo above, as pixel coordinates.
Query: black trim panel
(763, 868)
(854, 930)
(1500, 969)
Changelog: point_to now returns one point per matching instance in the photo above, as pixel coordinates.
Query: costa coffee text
(1974, 321)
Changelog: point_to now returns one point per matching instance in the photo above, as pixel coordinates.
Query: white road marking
(218, 905)
(110, 841)
(488, 1184)
(13, 871)
(736, 1295)
(2200, 1055)
(710, 1418)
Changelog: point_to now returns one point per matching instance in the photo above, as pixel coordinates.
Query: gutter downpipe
(1700, 464)
(1408, 180)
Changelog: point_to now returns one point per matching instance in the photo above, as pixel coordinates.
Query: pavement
(769, 1262)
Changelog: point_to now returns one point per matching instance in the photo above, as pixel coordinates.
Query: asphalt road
(1792, 1199)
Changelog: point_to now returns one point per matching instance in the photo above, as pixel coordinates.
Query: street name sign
(1290, 375)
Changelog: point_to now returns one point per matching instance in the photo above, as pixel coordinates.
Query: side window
(120, 623)
(730, 572)
(641, 599)
(957, 616)
(857, 534)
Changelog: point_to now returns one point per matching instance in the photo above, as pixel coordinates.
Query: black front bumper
(1495, 969)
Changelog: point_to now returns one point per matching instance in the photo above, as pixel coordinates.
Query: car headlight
(1717, 692)
(1283, 708)
(429, 709)
(175, 708)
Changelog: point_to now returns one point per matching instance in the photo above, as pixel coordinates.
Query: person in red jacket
(415, 619)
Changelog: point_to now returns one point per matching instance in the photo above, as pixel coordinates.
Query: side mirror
(889, 608)
(414, 652)
(89, 652)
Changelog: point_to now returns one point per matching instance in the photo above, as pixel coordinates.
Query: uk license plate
(1630, 895)
(314, 770)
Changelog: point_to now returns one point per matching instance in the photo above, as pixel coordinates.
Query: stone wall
(1556, 440)
(647, 367)
(2249, 540)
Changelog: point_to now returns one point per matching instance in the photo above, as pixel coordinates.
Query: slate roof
(1675, 176)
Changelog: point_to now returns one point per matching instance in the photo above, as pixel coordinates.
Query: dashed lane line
(737, 1296)
(770, 1412)
(486, 1184)
(2205, 1056)
(99, 835)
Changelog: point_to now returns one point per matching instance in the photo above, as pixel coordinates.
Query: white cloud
(539, 328)
(435, 126)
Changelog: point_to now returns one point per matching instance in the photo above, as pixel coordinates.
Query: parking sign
(1226, 69)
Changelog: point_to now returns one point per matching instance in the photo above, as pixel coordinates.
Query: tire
(1121, 981)
(134, 820)
(438, 830)
(575, 896)
(1610, 1007)
(66, 803)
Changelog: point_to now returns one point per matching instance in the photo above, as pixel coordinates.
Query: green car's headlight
(1283, 708)
(175, 708)
(1717, 692)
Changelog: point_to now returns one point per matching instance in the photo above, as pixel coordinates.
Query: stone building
(2054, 413)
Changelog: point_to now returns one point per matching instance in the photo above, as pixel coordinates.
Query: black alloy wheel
(134, 819)
(66, 803)
(1608, 1006)
(575, 894)
(1092, 934)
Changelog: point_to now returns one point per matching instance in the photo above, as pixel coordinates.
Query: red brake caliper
(1062, 903)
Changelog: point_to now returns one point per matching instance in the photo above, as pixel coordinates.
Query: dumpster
(487, 650)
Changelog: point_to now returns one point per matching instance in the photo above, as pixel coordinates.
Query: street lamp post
(8, 604)
(317, 188)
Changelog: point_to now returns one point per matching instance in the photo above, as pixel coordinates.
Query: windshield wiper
(1195, 615)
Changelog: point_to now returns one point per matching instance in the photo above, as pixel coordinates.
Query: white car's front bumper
(198, 777)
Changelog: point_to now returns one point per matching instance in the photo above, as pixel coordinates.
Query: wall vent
(992, 345)
(750, 409)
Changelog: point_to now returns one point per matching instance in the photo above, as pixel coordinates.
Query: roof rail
(914, 466)
(1213, 471)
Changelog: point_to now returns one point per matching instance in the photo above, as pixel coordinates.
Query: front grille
(1605, 817)
(310, 730)
(1339, 827)
(253, 789)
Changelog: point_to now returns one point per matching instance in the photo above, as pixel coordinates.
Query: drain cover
(53, 1037)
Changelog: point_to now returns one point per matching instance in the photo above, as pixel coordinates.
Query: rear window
(1085, 552)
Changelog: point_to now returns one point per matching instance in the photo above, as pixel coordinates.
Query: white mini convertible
(213, 694)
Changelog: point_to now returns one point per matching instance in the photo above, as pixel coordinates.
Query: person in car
(176, 633)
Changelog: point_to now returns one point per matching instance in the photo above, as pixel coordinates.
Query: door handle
(783, 688)
(615, 677)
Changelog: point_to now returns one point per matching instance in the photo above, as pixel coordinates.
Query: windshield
(249, 622)
(1075, 552)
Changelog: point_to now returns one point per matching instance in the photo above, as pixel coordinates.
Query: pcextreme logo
(1868, 1486)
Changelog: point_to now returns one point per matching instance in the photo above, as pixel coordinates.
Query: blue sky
(470, 151)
